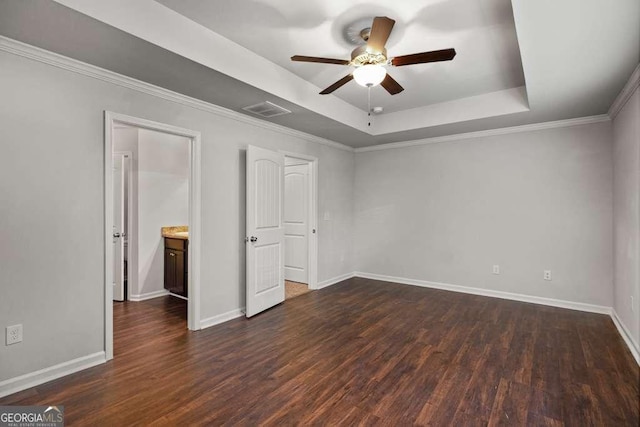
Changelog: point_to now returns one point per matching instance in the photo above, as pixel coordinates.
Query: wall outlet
(14, 334)
(547, 275)
(327, 216)
(496, 269)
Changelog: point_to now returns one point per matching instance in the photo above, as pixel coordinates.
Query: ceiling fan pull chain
(369, 104)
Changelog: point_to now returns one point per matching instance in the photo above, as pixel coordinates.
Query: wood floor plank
(361, 352)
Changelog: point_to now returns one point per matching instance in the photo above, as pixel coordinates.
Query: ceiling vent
(267, 109)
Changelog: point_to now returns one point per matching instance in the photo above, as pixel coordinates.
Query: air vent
(267, 109)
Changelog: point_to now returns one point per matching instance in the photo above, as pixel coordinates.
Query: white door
(265, 230)
(118, 226)
(296, 223)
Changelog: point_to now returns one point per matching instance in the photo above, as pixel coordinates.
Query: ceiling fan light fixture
(369, 75)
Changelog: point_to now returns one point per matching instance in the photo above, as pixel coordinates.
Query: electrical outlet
(14, 334)
(496, 269)
(547, 275)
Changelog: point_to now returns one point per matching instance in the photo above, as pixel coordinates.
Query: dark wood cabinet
(175, 266)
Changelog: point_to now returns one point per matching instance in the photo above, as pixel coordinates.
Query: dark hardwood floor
(359, 352)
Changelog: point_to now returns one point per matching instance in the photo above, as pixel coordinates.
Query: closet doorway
(299, 224)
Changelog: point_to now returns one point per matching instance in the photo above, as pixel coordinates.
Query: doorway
(121, 227)
(271, 220)
(298, 228)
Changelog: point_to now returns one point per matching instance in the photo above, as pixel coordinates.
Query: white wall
(528, 202)
(626, 136)
(163, 200)
(51, 233)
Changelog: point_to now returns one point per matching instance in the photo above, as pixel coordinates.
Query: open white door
(118, 226)
(296, 222)
(265, 230)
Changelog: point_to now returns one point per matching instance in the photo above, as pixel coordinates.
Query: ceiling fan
(371, 58)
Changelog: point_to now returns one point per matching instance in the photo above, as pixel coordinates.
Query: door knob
(116, 235)
(254, 239)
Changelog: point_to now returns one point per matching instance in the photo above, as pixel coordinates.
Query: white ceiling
(482, 32)
(571, 59)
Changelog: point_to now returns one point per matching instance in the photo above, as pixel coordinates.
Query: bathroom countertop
(176, 232)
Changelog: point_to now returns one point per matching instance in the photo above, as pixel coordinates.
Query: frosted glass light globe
(369, 75)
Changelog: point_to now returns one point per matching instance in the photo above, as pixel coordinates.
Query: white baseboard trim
(333, 281)
(148, 295)
(626, 336)
(221, 318)
(178, 296)
(32, 379)
(491, 293)
(590, 308)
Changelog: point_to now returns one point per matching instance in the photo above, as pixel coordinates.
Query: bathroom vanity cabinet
(175, 265)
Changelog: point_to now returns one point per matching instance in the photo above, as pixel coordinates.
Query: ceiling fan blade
(346, 79)
(424, 57)
(301, 58)
(391, 85)
(380, 31)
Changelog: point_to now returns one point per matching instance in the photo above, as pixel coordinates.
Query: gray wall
(51, 173)
(162, 199)
(626, 136)
(528, 202)
(440, 212)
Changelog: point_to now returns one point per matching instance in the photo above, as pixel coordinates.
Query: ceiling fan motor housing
(363, 56)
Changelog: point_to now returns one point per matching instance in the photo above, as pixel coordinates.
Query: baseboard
(626, 336)
(491, 293)
(333, 281)
(148, 295)
(178, 296)
(221, 318)
(32, 379)
(234, 314)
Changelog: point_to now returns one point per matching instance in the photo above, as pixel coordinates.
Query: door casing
(193, 305)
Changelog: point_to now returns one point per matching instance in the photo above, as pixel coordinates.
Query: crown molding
(491, 132)
(626, 93)
(41, 55)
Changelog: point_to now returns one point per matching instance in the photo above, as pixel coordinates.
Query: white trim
(221, 318)
(632, 84)
(69, 64)
(148, 295)
(490, 132)
(589, 308)
(193, 311)
(490, 293)
(28, 51)
(32, 379)
(626, 336)
(333, 281)
(178, 296)
(313, 216)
